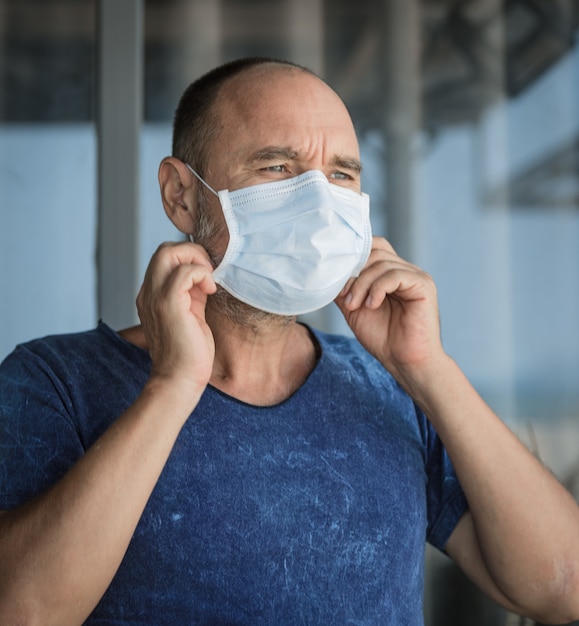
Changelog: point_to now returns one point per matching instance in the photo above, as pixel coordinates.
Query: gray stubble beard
(206, 234)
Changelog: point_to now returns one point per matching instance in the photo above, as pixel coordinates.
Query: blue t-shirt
(312, 511)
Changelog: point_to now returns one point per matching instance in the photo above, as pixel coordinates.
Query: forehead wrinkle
(242, 108)
(286, 153)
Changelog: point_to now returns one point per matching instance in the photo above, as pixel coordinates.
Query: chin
(244, 314)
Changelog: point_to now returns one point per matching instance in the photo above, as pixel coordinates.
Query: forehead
(282, 106)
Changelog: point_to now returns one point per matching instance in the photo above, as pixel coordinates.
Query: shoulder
(99, 337)
(70, 351)
(69, 368)
(68, 388)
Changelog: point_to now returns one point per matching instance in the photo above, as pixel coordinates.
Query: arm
(524, 558)
(59, 552)
(520, 540)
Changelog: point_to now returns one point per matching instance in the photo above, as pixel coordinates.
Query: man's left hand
(392, 309)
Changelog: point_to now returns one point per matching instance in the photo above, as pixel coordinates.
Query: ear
(178, 193)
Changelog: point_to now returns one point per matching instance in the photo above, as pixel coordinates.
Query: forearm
(527, 524)
(59, 552)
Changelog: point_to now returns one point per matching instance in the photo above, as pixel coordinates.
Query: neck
(262, 362)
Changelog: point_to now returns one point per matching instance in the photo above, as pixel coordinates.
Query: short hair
(195, 123)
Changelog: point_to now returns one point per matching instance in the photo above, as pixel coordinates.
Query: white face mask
(293, 243)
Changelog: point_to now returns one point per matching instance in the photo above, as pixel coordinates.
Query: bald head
(196, 122)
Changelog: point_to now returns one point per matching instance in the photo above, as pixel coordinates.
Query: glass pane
(47, 168)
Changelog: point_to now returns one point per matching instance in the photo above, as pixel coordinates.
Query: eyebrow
(271, 153)
(347, 163)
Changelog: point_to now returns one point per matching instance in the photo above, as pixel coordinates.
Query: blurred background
(468, 117)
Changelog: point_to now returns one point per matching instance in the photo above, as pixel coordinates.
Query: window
(47, 168)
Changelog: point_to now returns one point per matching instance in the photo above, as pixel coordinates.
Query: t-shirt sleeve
(446, 502)
(38, 439)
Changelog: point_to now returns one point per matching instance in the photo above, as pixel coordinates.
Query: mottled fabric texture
(313, 511)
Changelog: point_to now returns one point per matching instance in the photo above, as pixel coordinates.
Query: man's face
(276, 123)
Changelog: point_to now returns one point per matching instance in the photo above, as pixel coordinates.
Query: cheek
(211, 232)
(217, 244)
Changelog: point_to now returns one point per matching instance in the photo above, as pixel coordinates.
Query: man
(222, 463)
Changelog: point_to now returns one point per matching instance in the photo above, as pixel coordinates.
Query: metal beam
(305, 30)
(119, 114)
(401, 118)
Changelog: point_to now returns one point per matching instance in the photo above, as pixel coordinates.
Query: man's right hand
(171, 306)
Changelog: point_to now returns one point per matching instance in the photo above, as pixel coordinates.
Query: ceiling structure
(468, 54)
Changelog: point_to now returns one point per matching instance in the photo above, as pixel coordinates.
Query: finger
(384, 279)
(379, 263)
(380, 247)
(346, 288)
(169, 255)
(382, 250)
(379, 243)
(184, 284)
(186, 277)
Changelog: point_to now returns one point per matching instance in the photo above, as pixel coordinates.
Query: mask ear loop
(206, 185)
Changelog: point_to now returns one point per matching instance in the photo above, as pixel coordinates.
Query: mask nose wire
(206, 184)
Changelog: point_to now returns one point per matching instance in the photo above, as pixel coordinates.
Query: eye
(276, 169)
(341, 176)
